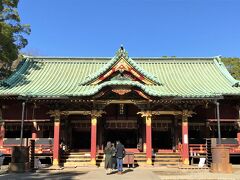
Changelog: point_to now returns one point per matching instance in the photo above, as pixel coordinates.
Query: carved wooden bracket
(97, 113)
(148, 115)
(94, 115)
(57, 114)
(145, 113)
(187, 113)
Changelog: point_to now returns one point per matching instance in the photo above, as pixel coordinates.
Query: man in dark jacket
(120, 153)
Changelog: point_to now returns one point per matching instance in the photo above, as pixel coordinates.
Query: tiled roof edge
(109, 58)
(234, 82)
(20, 69)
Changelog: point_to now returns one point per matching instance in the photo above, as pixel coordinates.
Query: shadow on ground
(43, 175)
(169, 173)
(127, 171)
(124, 172)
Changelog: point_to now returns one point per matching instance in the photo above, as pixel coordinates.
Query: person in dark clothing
(108, 157)
(114, 160)
(120, 153)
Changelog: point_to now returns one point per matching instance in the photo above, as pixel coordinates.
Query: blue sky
(150, 28)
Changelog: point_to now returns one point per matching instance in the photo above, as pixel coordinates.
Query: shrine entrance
(79, 135)
(81, 140)
(129, 138)
(161, 140)
(163, 133)
(122, 123)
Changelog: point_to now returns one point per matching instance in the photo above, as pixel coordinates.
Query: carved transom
(121, 91)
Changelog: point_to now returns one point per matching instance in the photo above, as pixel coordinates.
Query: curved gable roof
(121, 59)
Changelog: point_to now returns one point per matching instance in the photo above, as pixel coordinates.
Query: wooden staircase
(160, 159)
(70, 159)
(139, 159)
(100, 160)
(208, 152)
(167, 159)
(75, 159)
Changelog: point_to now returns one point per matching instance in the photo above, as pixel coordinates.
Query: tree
(233, 66)
(11, 34)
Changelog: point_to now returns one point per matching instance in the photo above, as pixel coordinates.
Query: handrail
(196, 149)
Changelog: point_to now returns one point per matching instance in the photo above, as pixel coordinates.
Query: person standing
(114, 160)
(108, 151)
(120, 153)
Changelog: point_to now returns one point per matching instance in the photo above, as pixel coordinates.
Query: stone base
(221, 168)
(93, 162)
(19, 167)
(185, 161)
(149, 161)
(56, 167)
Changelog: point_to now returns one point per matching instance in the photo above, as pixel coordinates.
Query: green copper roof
(180, 77)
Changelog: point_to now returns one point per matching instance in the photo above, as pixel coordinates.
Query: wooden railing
(42, 145)
(196, 149)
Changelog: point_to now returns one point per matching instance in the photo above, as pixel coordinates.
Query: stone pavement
(129, 174)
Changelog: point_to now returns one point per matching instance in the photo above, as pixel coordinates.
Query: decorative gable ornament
(119, 64)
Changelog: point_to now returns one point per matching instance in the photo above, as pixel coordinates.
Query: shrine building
(155, 106)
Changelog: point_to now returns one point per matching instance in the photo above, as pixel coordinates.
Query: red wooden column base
(185, 151)
(93, 140)
(2, 134)
(56, 142)
(149, 139)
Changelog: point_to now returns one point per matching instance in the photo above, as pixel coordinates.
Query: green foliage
(11, 34)
(233, 66)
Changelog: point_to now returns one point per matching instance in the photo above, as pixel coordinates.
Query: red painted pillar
(149, 138)
(2, 133)
(185, 147)
(93, 139)
(56, 144)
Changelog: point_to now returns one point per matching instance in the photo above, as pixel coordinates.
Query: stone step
(140, 158)
(72, 164)
(137, 155)
(73, 156)
(166, 158)
(75, 152)
(165, 162)
(167, 155)
(75, 160)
